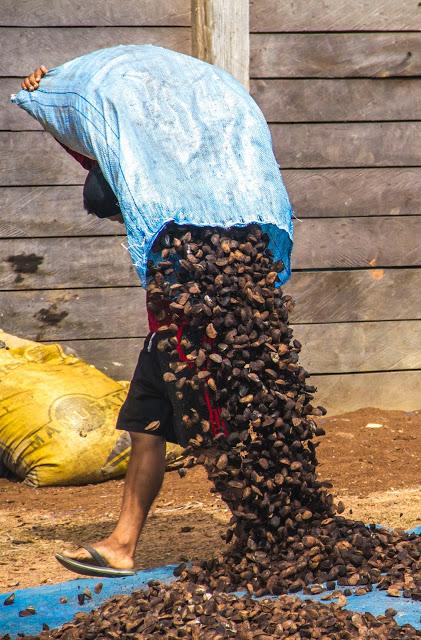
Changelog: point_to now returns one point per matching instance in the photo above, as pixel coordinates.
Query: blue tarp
(46, 600)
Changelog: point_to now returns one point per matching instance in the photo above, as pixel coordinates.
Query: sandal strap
(99, 559)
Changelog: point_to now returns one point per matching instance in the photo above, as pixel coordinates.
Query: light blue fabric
(177, 140)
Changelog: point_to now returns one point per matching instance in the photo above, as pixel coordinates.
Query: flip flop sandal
(96, 566)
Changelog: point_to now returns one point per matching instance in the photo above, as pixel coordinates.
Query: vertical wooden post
(220, 35)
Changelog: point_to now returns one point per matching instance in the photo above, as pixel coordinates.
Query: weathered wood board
(398, 389)
(350, 144)
(48, 263)
(336, 347)
(330, 243)
(291, 100)
(69, 314)
(265, 15)
(335, 55)
(321, 297)
(116, 357)
(385, 390)
(58, 211)
(338, 392)
(340, 243)
(354, 192)
(333, 100)
(31, 212)
(360, 346)
(22, 52)
(335, 15)
(360, 295)
(71, 13)
(36, 158)
(272, 55)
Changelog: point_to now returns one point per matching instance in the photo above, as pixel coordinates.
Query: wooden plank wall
(338, 83)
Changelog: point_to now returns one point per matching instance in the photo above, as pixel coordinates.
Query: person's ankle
(122, 544)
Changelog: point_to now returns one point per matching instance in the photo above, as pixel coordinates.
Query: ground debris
(9, 600)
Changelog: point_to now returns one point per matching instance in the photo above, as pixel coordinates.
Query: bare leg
(143, 481)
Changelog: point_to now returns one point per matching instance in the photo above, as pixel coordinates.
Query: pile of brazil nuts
(242, 397)
(183, 610)
(286, 533)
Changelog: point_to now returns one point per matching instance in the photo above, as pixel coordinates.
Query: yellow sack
(58, 415)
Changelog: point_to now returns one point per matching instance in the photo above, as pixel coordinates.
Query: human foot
(116, 555)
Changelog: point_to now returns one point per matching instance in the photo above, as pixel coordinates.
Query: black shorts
(148, 398)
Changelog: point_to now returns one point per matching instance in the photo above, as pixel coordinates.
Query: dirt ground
(375, 471)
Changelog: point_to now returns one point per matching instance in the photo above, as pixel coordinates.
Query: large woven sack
(57, 417)
(177, 139)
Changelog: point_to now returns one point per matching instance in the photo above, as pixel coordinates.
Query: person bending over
(149, 399)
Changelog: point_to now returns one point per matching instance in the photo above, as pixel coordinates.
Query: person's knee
(146, 442)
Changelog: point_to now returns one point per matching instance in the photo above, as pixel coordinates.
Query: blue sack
(177, 140)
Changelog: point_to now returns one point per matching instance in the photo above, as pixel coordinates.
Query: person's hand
(30, 83)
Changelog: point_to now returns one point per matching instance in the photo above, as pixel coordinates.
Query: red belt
(217, 424)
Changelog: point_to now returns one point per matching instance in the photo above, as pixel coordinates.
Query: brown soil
(375, 471)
